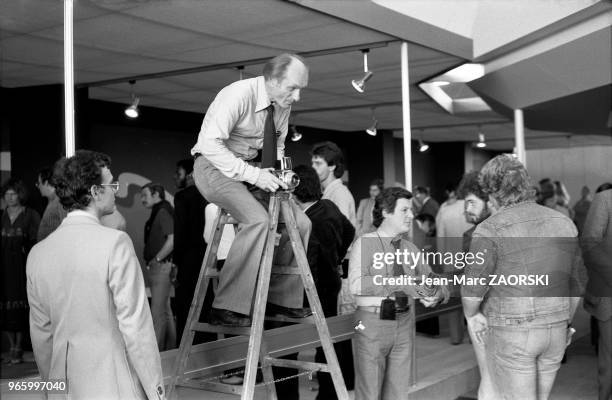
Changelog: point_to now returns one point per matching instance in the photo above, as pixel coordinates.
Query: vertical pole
(519, 136)
(406, 117)
(68, 78)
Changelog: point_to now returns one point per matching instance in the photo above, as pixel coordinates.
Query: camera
(286, 175)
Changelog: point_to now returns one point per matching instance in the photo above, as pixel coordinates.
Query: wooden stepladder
(257, 350)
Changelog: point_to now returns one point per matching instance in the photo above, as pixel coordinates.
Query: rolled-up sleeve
(483, 244)
(220, 120)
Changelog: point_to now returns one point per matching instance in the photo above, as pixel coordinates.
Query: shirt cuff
(251, 174)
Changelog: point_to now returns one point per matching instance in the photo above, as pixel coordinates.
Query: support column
(68, 78)
(406, 117)
(519, 136)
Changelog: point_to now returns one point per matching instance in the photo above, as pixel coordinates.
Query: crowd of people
(72, 277)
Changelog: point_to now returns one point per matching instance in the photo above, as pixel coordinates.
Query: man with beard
(476, 210)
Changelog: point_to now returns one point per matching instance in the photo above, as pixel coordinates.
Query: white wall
(575, 167)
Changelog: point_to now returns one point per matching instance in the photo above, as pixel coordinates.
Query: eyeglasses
(114, 186)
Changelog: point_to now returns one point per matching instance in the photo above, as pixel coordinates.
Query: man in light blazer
(596, 243)
(89, 318)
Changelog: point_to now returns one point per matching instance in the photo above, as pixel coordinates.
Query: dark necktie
(401, 299)
(268, 155)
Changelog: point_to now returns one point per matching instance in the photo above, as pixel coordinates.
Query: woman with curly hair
(19, 230)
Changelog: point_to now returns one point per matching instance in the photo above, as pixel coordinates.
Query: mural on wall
(129, 205)
(131, 182)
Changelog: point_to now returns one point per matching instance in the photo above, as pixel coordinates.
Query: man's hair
(276, 68)
(421, 190)
(379, 183)
(74, 176)
(603, 186)
(469, 185)
(546, 191)
(19, 187)
(186, 164)
(386, 200)
(309, 188)
(155, 188)
(424, 217)
(46, 175)
(331, 153)
(506, 179)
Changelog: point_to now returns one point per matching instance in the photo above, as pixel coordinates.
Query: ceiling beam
(357, 106)
(368, 14)
(234, 64)
(475, 123)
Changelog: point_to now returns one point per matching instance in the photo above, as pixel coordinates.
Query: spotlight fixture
(295, 135)
(372, 130)
(132, 110)
(481, 144)
(423, 147)
(240, 69)
(359, 84)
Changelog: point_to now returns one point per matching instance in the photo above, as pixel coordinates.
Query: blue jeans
(383, 356)
(163, 320)
(524, 360)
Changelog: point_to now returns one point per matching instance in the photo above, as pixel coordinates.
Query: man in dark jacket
(332, 234)
(189, 244)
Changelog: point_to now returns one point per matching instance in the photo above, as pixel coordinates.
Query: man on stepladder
(241, 138)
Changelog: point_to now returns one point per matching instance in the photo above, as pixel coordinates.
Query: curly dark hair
(19, 187)
(309, 188)
(331, 153)
(469, 185)
(386, 200)
(506, 179)
(74, 177)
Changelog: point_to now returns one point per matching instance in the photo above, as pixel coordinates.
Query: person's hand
(152, 263)
(479, 326)
(443, 294)
(268, 181)
(429, 301)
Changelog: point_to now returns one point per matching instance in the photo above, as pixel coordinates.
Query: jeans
(163, 320)
(383, 356)
(486, 388)
(524, 360)
(604, 359)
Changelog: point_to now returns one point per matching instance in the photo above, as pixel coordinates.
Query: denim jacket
(532, 241)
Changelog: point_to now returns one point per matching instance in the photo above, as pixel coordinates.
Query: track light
(295, 135)
(423, 147)
(359, 84)
(481, 144)
(240, 69)
(132, 110)
(372, 130)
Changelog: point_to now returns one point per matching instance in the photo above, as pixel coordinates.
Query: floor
(576, 380)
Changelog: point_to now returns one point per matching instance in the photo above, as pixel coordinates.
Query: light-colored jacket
(90, 322)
